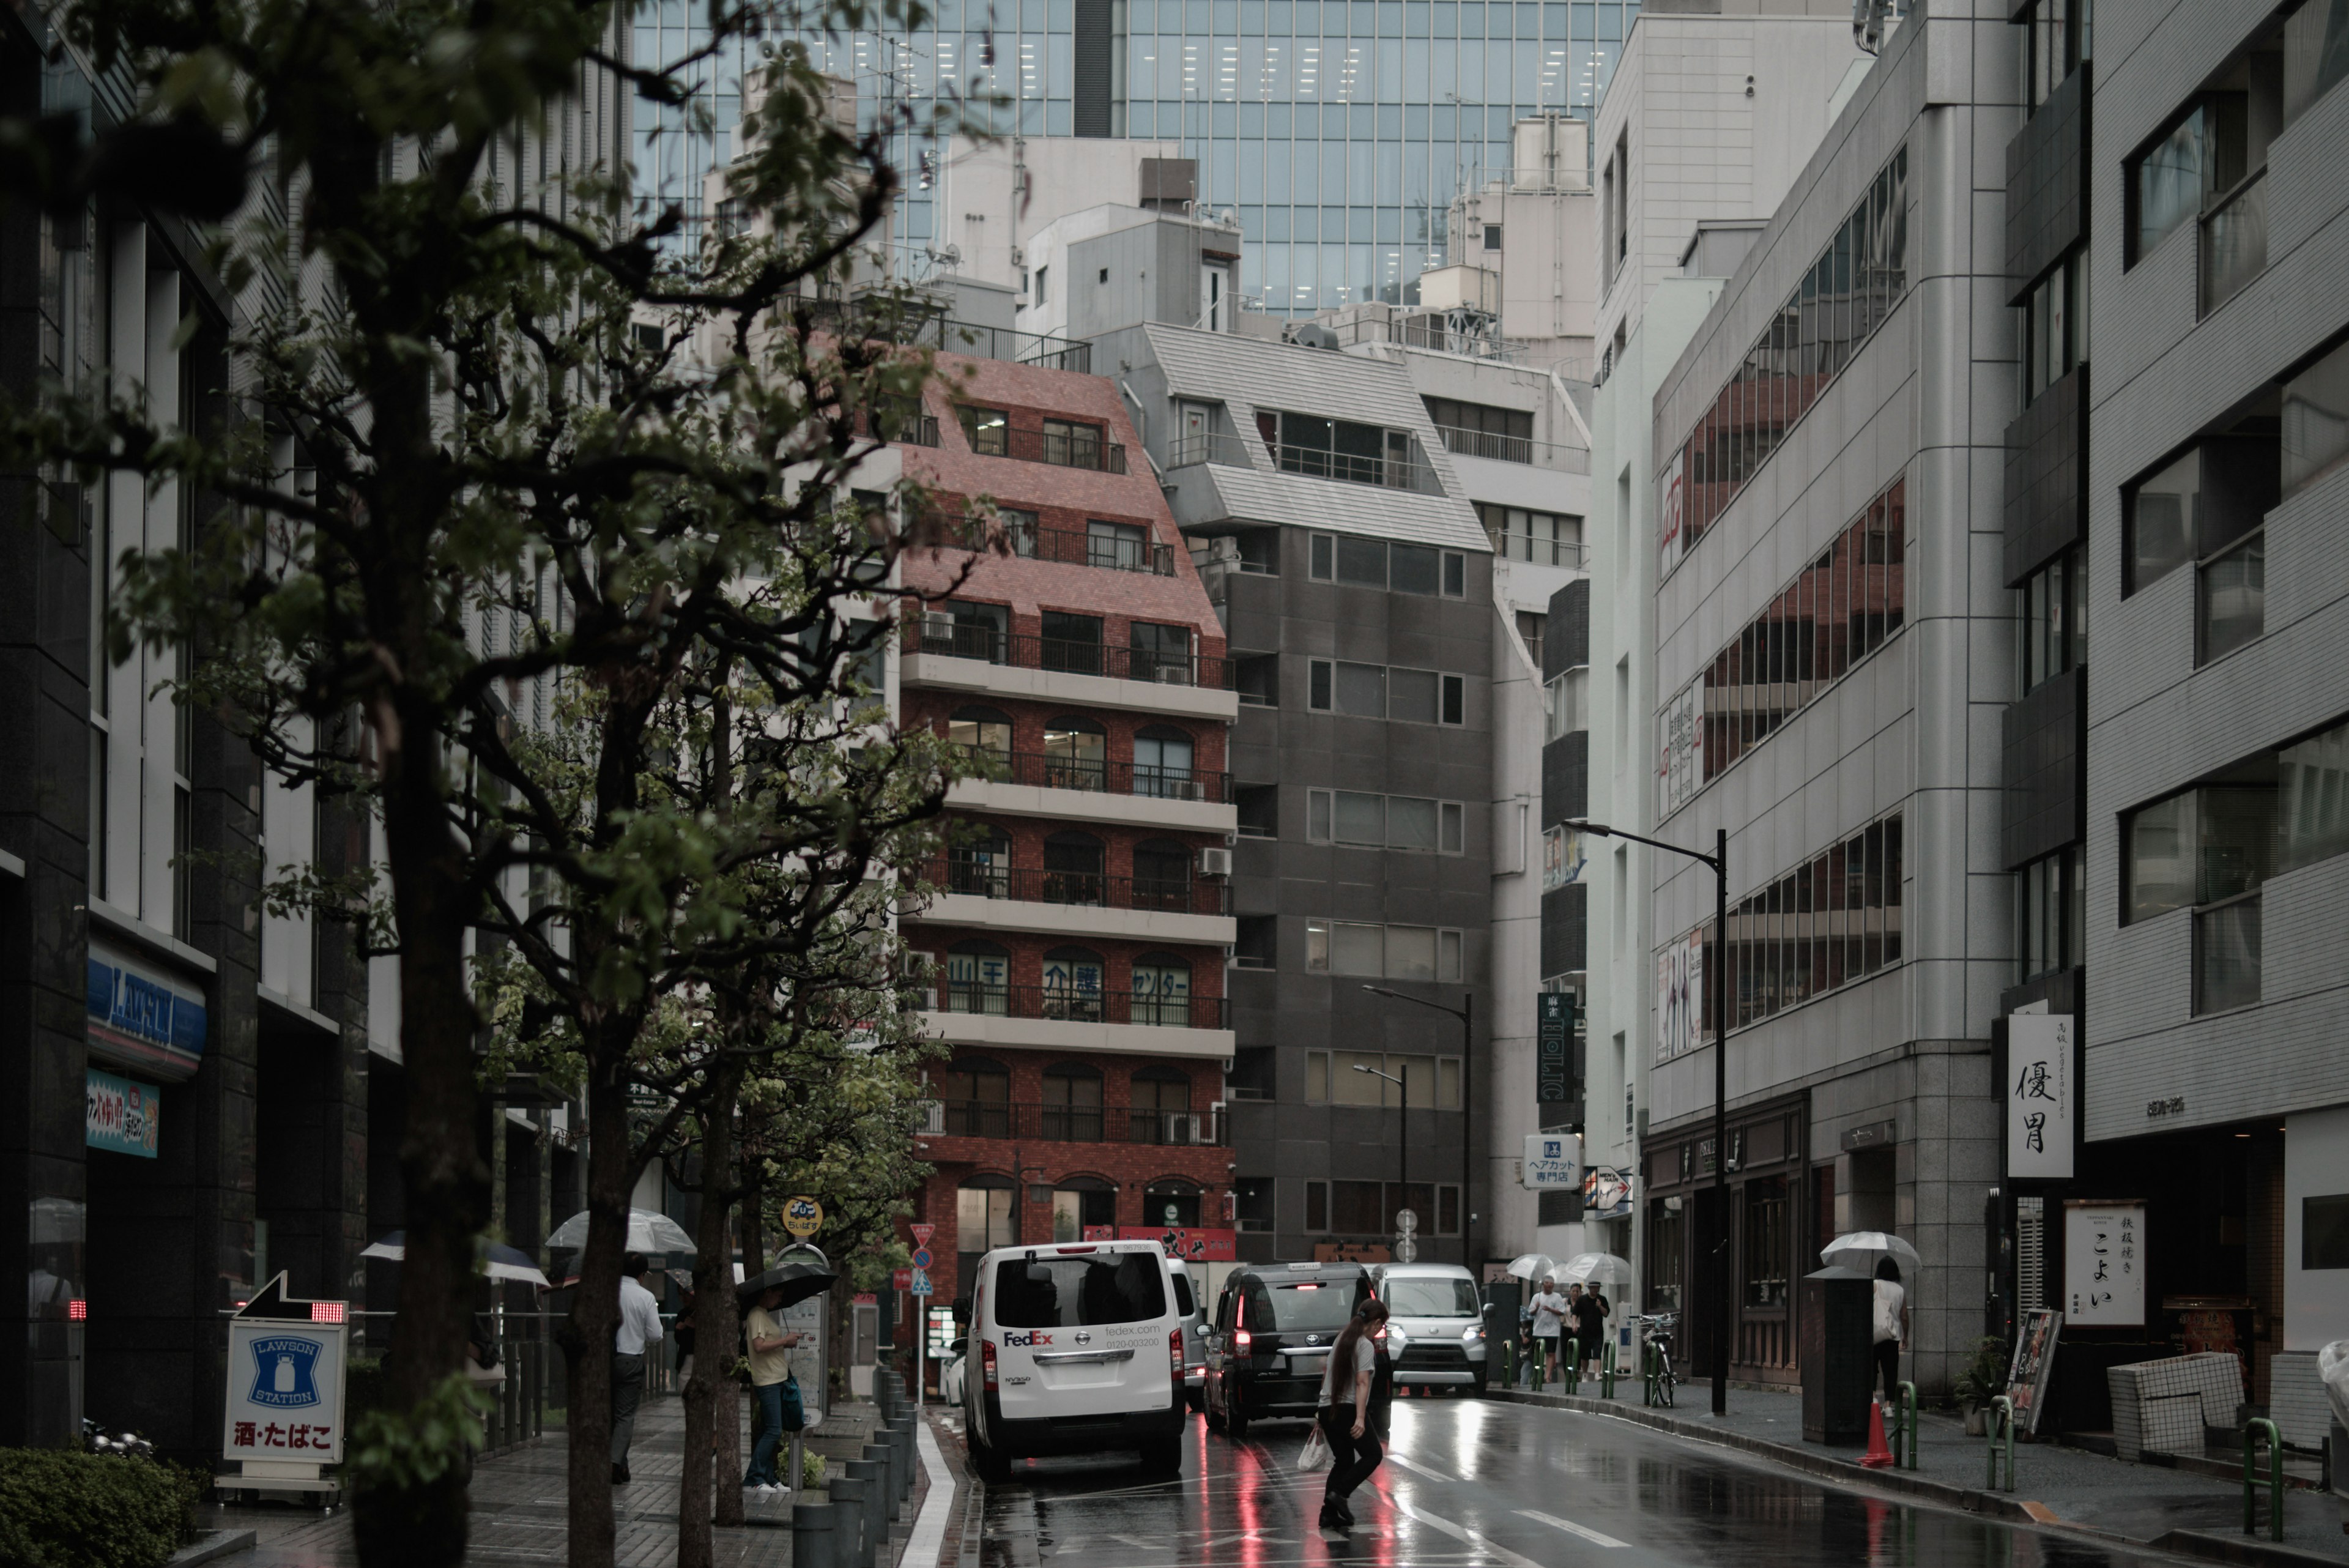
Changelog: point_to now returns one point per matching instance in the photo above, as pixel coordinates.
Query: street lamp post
(1716, 982)
(1403, 1142)
(1466, 1014)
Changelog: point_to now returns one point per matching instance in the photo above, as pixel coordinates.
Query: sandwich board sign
(282, 1420)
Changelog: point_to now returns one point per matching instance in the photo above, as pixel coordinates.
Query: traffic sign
(921, 1285)
(802, 1216)
(900, 1279)
(921, 1257)
(1405, 1222)
(1406, 1251)
(922, 1234)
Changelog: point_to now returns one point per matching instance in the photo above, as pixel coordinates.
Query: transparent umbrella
(1596, 1268)
(649, 1232)
(1534, 1266)
(1860, 1250)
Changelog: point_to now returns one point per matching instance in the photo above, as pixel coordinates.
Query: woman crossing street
(1352, 1411)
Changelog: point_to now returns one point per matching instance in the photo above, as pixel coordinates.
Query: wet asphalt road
(1469, 1484)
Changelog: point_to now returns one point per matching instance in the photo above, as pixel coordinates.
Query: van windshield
(1077, 1291)
(1322, 1304)
(1429, 1298)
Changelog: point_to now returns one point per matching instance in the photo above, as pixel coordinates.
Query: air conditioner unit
(1214, 862)
(938, 626)
(934, 1117)
(1194, 789)
(1172, 675)
(1182, 1128)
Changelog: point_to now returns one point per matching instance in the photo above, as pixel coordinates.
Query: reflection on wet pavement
(1477, 1485)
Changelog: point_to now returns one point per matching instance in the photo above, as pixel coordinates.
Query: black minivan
(1271, 1339)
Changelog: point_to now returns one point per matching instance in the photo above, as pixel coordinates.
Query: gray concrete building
(1833, 645)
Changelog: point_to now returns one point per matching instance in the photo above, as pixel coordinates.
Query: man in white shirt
(1550, 1311)
(640, 1328)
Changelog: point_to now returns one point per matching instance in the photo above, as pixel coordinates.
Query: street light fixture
(1717, 985)
(1466, 1014)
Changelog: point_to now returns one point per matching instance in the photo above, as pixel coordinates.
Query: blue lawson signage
(142, 1017)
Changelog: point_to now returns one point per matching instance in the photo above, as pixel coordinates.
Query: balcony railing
(1104, 552)
(956, 336)
(936, 634)
(1099, 776)
(1513, 449)
(1065, 1004)
(2234, 242)
(1075, 1124)
(1318, 462)
(1034, 884)
(906, 429)
(1062, 448)
(1199, 447)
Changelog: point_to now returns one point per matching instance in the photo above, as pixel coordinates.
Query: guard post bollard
(1607, 1371)
(851, 1545)
(1905, 1411)
(884, 1455)
(875, 1478)
(814, 1535)
(2002, 1421)
(902, 1437)
(2252, 1434)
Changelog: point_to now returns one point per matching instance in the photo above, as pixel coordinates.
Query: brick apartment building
(1078, 941)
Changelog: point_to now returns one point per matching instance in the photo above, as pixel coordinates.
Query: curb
(209, 1544)
(1994, 1505)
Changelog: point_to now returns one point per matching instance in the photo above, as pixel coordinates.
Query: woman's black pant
(1887, 1367)
(1352, 1458)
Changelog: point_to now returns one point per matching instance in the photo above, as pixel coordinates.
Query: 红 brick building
(1077, 944)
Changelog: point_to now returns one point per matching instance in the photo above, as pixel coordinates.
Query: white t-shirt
(1549, 1312)
(1890, 1299)
(640, 1324)
(1365, 1359)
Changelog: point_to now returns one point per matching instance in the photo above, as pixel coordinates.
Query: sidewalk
(2148, 1505)
(519, 1504)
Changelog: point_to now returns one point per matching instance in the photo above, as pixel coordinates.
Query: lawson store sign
(142, 1017)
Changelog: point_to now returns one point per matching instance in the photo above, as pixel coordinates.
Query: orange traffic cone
(1878, 1456)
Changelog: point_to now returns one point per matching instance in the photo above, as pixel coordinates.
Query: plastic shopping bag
(1317, 1455)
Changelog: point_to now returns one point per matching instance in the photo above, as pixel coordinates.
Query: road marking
(1419, 1470)
(1461, 1533)
(930, 1526)
(1571, 1528)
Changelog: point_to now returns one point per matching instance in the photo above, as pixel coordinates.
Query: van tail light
(986, 1365)
(1175, 1353)
(1241, 1340)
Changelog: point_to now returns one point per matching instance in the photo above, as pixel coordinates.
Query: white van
(1436, 1326)
(1074, 1348)
(1195, 1333)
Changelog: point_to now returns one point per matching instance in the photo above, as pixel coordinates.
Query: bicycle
(1657, 1337)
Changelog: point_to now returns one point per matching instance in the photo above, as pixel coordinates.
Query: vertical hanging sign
(1553, 1048)
(2040, 1096)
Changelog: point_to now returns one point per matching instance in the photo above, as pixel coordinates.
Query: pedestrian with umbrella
(777, 1407)
(640, 1329)
(1880, 1253)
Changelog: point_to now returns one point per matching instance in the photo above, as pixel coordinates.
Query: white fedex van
(1074, 1348)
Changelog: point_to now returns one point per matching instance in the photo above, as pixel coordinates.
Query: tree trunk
(595, 1311)
(713, 1323)
(411, 1522)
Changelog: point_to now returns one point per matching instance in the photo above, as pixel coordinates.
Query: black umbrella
(798, 1281)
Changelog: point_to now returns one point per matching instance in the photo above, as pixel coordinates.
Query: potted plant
(1983, 1380)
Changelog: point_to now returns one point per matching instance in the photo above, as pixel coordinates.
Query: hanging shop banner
(2104, 1263)
(2039, 1095)
(1671, 509)
(1563, 858)
(1553, 1162)
(143, 1018)
(1679, 769)
(1680, 996)
(1554, 1048)
(120, 1114)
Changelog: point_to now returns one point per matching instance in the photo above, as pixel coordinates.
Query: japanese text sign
(2039, 1095)
(2104, 1263)
(285, 1391)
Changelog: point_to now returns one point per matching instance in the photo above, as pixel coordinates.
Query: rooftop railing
(1080, 1124)
(1099, 775)
(1034, 885)
(936, 634)
(1073, 1005)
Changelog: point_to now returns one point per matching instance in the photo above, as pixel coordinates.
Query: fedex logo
(1038, 1337)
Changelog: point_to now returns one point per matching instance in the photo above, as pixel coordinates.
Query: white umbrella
(498, 1260)
(649, 1232)
(1588, 1267)
(1534, 1266)
(1860, 1249)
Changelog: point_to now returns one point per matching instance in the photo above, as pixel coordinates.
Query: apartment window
(1379, 691)
(2315, 52)
(1072, 1103)
(1765, 1241)
(1531, 624)
(983, 732)
(1343, 449)
(2051, 607)
(1043, 285)
(2054, 326)
(2056, 39)
(1330, 1079)
(1492, 236)
(1071, 642)
(1076, 752)
(977, 1097)
(2316, 409)
(1566, 704)
(1375, 564)
(2209, 164)
(1117, 547)
(1369, 1207)
(2209, 506)
(2053, 923)
(1383, 822)
(1480, 430)
(1383, 952)
(1070, 444)
(988, 430)
(1159, 652)
(1545, 538)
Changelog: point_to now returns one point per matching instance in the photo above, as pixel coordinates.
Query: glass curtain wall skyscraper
(1338, 131)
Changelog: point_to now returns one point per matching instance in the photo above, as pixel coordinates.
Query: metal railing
(2258, 1426)
(1062, 448)
(892, 325)
(2001, 1422)
(1120, 552)
(1068, 1004)
(1352, 468)
(965, 640)
(1503, 448)
(1029, 884)
(1057, 1123)
(1207, 446)
(1099, 776)
(534, 1378)
(904, 428)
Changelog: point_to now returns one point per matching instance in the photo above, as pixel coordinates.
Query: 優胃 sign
(2039, 1098)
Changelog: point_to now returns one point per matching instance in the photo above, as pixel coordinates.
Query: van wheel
(1163, 1456)
(1214, 1417)
(1196, 1399)
(1236, 1422)
(993, 1465)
